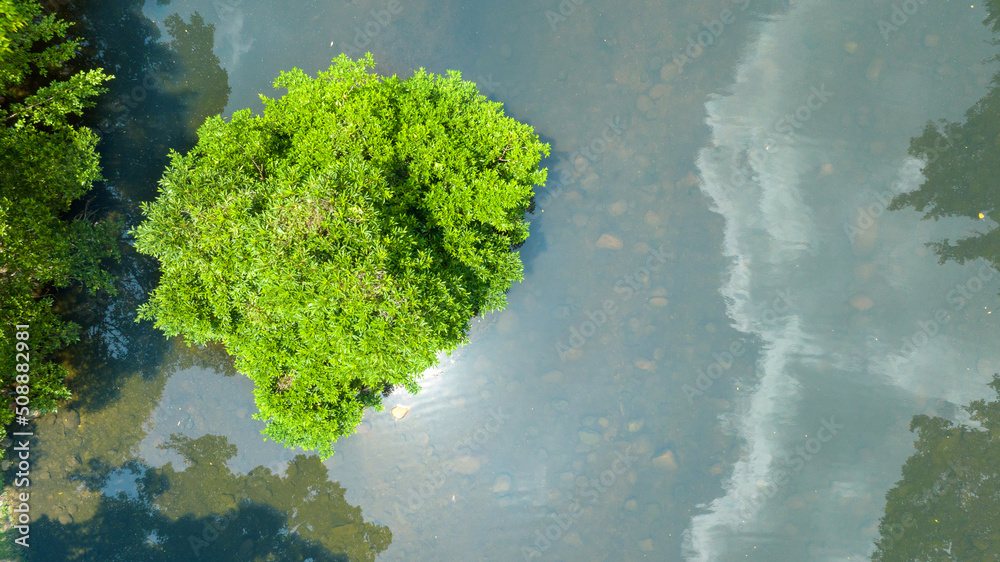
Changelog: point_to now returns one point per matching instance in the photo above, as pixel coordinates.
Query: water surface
(745, 395)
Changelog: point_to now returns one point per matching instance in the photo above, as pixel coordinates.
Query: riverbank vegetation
(49, 237)
(340, 240)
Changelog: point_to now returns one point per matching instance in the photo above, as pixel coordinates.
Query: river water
(720, 340)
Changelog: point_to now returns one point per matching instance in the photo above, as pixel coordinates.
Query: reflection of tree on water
(207, 512)
(161, 93)
(947, 504)
(963, 171)
(101, 434)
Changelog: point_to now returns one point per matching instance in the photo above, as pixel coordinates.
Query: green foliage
(11, 20)
(945, 506)
(28, 45)
(340, 240)
(46, 162)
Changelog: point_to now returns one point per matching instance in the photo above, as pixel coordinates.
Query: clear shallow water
(826, 421)
(599, 429)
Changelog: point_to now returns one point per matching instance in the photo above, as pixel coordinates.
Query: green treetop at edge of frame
(338, 242)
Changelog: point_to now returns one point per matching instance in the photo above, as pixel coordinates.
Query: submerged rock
(501, 484)
(644, 364)
(466, 465)
(665, 460)
(861, 302)
(590, 436)
(552, 377)
(609, 242)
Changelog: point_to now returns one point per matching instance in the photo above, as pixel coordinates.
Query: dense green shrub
(46, 162)
(337, 242)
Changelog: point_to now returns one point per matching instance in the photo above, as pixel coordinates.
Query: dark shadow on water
(164, 88)
(162, 91)
(534, 246)
(121, 531)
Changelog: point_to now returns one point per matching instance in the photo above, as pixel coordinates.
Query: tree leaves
(341, 239)
(46, 162)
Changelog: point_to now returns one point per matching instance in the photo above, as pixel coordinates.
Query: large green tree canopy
(341, 239)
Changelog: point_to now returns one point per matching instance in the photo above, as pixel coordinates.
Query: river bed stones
(658, 302)
(70, 419)
(861, 302)
(399, 412)
(658, 91)
(501, 484)
(865, 271)
(466, 465)
(507, 323)
(552, 377)
(644, 364)
(572, 538)
(875, 70)
(609, 242)
(669, 71)
(589, 436)
(665, 460)
(795, 502)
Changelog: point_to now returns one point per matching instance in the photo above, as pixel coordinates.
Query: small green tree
(337, 242)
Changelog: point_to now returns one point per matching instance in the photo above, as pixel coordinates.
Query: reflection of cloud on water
(230, 40)
(840, 352)
(197, 401)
